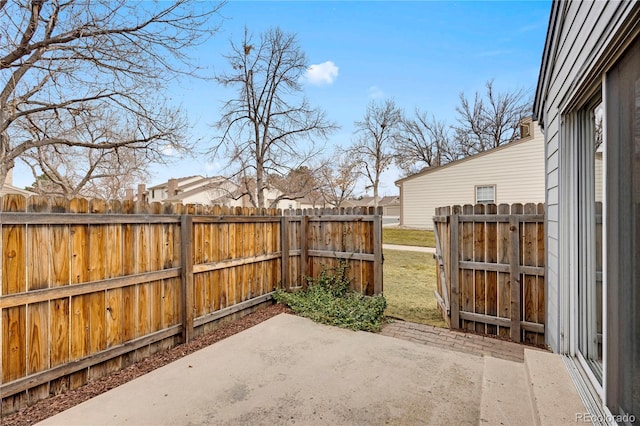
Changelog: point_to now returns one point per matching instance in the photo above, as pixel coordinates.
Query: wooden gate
(491, 262)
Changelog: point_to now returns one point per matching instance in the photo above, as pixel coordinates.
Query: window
(485, 194)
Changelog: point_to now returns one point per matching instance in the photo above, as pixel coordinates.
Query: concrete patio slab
(289, 370)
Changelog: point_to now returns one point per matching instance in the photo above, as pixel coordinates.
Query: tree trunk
(6, 163)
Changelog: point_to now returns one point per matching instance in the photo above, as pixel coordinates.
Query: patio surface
(289, 370)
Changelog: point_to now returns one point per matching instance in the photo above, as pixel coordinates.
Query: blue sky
(418, 53)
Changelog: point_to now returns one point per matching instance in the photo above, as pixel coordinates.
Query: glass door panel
(623, 234)
(590, 190)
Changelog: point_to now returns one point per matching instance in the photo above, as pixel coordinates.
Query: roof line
(471, 157)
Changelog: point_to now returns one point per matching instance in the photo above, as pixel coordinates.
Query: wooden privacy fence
(491, 269)
(88, 287)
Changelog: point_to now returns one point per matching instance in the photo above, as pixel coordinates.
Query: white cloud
(321, 74)
(375, 92)
(169, 151)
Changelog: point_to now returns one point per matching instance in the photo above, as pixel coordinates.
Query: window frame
(478, 187)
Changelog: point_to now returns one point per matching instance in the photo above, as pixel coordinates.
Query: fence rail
(491, 269)
(88, 287)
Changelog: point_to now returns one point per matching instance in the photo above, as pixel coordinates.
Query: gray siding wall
(585, 28)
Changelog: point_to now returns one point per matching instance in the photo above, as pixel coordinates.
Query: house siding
(578, 48)
(516, 170)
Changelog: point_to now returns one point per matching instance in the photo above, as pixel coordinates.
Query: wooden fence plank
(514, 276)
(239, 270)
(454, 272)
(304, 250)
(59, 331)
(480, 291)
(187, 278)
(156, 256)
(114, 297)
(541, 262)
(97, 325)
(38, 247)
(13, 272)
(14, 349)
(14, 248)
(442, 288)
(377, 250)
(504, 283)
(529, 284)
(467, 276)
(491, 257)
(284, 249)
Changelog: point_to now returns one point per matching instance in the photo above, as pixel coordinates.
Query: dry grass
(408, 237)
(409, 283)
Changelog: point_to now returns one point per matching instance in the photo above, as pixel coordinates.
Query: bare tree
(269, 128)
(338, 181)
(423, 142)
(71, 171)
(301, 182)
(375, 136)
(64, 64)
(490, 120)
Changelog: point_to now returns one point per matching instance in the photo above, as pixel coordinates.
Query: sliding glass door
(622, 111)
(590, 148)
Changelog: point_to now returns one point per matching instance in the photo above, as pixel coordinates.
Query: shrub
(329, 300)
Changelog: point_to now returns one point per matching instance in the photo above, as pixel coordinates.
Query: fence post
(284, 249)
(377, 251)
(514, 269)
(454, 273)
(186, 236)
(304, 247)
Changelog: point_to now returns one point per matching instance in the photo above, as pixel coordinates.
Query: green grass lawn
(409, 283)
(408, 237)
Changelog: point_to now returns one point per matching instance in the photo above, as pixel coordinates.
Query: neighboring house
(211, 191)
(390, 204)
(195, 190)
(511, 173)
(8, 187)
(588, 103)
(300, 203)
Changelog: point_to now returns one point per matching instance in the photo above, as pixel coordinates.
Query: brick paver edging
(456, 340)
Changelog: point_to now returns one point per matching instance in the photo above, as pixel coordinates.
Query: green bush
(329, 300)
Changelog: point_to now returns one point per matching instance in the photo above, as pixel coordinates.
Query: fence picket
(491, 256)
(467, 276)
(480, 291)
(504, 283)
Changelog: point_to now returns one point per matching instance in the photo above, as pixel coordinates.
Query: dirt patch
(56, 404)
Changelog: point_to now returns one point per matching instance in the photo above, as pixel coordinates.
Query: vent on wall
(525, 130)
